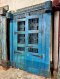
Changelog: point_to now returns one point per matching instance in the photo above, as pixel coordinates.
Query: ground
(13, 73)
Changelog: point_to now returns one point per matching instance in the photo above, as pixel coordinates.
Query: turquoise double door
(30, 43)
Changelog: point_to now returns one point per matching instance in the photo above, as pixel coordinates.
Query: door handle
(40, 56)
(16, 52)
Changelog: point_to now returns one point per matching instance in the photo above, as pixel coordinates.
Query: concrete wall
(17, 4)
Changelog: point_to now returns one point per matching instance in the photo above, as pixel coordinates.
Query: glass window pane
(33, 38)
(21, 26)
(21, 38)
(33, 50)
(33, 24)
(20, 48)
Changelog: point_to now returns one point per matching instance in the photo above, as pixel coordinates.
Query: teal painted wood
(14, 41)
(31, 56)
(33, 62)
(11, 42)
(47, 39)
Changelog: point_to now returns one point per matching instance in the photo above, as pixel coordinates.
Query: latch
(16, 52)
(37, 55)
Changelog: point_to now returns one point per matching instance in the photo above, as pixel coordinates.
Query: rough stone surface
(13, 73)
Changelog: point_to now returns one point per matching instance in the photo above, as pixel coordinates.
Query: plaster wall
(17, 4)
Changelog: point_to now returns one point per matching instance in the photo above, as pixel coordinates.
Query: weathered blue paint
(4, 45)
(11, 38)
(38, 63)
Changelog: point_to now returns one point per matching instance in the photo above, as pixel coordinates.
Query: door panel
(19, 43)
(34, 57)
(3, 37)
(47, 39)
(31, 43)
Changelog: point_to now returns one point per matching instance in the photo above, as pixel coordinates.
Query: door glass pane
(21, 38)
(21, 26)
(33, 24)
(20, 48)
(33, 38)
(33, 50)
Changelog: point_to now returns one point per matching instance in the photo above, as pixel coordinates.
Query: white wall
(56, 26)
(17, 4)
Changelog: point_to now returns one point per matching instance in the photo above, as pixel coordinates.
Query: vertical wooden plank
(26, 35)
(14, 41)
(56, 25)
(43, 26)
(51, 39)
(26, 44)
(40, 35)
(11, 40)
(58, 75)
(4, 44)
(47, 18)
(59, 39)
(0, 39)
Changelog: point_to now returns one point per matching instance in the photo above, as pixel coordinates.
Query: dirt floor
(13, 73)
